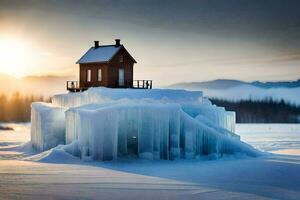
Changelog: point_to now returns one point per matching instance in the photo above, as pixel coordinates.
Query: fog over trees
(16, 107)
(262, 111)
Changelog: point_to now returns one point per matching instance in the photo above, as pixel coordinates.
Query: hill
(235, 90)
(229, 83)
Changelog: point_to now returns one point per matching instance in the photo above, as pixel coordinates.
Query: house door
(121, 77)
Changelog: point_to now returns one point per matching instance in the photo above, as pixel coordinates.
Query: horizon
(216, 40)
(200, 81)
(35, 85)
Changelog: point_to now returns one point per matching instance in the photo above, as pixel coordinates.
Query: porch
(74, 86)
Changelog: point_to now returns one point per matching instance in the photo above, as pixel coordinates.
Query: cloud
(281, 58)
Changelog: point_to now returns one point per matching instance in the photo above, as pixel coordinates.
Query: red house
(107, 66)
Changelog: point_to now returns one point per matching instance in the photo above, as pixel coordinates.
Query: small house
(107, 66)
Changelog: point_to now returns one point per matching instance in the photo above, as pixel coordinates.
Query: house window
(89, 75)
(121, 58)
(121, 77)
(99, 75)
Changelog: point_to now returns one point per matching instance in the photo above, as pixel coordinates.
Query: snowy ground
(274, 138)
(60, 176)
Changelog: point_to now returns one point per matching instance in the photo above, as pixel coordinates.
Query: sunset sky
(172, 41)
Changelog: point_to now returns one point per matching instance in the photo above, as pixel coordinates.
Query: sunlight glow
(15, 56)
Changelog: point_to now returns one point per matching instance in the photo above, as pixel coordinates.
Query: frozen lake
(274, 138)
(267, 177)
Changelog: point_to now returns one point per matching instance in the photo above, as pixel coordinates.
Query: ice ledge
(104, 123)
(105, 95)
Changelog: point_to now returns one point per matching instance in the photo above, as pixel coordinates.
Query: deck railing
(74, 86)
(142, 84)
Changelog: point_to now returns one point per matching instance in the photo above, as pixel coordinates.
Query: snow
(59, 154)
(100, 54)
(102, 95)
(274, 138)
(47, 126)
(56, 174)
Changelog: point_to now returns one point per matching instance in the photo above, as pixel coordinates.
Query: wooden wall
(110, 71)
(94, 75)
(115, 65)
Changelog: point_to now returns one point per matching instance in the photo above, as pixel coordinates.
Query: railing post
(142, 84)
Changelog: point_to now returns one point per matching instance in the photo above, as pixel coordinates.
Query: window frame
(99, 70)
(89, 75)
(121, 82)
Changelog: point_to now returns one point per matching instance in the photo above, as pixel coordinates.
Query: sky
(172, 41)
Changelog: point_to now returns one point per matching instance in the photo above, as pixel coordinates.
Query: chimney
(118, 42)
(96, 44)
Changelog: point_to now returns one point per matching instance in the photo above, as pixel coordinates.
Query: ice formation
(104, 124)
(47, 126)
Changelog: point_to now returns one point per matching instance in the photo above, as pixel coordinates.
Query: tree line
(261, 111)
(17, 107)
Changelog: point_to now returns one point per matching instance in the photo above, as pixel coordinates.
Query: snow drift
(104, 124)
(105, 95)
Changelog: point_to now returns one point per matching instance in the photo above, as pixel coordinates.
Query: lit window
(89, 75)
(99, 75)
(121, 58)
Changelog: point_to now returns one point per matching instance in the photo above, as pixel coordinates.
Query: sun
(15, 56)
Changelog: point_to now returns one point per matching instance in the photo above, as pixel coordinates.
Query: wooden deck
(74, 86)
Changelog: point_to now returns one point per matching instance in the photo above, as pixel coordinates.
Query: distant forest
(16, 108)
(261, 111)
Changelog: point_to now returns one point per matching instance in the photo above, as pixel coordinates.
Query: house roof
(101, 54)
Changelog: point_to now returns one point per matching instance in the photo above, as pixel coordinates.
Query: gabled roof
(101, 54)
